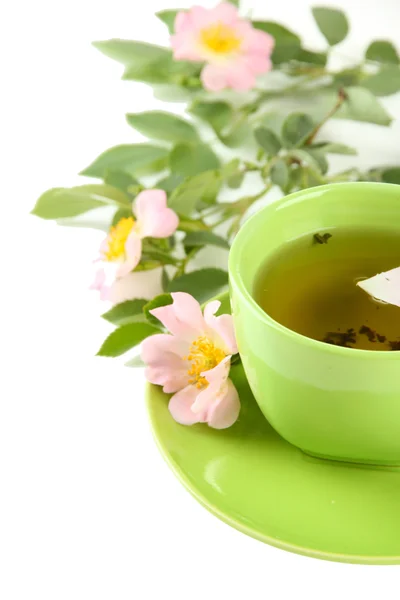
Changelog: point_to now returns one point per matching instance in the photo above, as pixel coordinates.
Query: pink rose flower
(120, 252)
(234, 51)
(193, 362)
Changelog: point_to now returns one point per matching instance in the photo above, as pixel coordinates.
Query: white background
(88, 509)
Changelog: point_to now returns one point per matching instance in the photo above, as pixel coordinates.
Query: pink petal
(155, 219)
(259, 64)
(185, 47)
(163, 355)
(171, 379)
(104, 246)
(187, 26)
(209, 311)
(240, 76)
(104, 279)
(216, 378)
(137, 284)
(155, 348)
(99, 279)
(258, 42)
(180, 406)
(200, 16)
(214, 78)
(133, 252)
(222, 326)
(101, 285)
(183, 317)
(225, 412)
(384, 287)
(225, 13)
(183, 22)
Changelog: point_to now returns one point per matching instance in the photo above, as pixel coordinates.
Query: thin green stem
(239, 208)
(184, 262)
(340, 99)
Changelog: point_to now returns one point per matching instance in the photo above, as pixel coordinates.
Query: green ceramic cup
(332, 402)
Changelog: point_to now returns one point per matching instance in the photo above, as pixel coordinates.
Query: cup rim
(236, 277)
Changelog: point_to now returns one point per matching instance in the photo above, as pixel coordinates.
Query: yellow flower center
(220, 38)
(203, 357)
(117, 238)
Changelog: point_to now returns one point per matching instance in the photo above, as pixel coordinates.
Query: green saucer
(255, 481)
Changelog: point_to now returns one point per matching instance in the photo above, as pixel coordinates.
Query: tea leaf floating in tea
(384, 286)
(322, 239)
(337, 338)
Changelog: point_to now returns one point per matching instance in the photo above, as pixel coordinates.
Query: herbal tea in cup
(310, 286)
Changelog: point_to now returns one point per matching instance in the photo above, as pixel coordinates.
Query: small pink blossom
(121, 250)
(384, 286)
(235, 52)
(193, 362)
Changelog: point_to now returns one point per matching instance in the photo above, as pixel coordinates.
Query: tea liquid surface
(310, 287)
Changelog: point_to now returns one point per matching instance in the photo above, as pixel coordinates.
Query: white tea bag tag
(384, 286)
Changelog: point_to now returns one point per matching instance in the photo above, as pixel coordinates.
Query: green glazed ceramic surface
(332, 402)
(255, 481)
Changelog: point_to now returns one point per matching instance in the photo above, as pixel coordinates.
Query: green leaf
(60, 203)
(176, 92)
(85, 223)
(202, 187)
(236, 180)
(164, 71)
(135, 362)
(128, 52)
(169, 183)
(314, 158)
(361, 105)
(188, 225)
(230, 168)
(203, 284)
(234, 2)
(126, 312)
(332, 23)
(121, 214)
(159, 256)
(319, 159)
(190, 160)
(333, 148)
(168, 17)
(238, 135)
(232, 173)
(296, 129)
(164, 280)
(384, 83)
(347, 77)
(218, 114)
(159, 125)
(382, 51)
(281, 35)
(128, 158)
(126, 337)
(268, 140)
(280, 173)
(311, 178)
(161, 300)
(119, 179)
(313, 58)
(391, 175)
(205, 238)
(287, 43)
